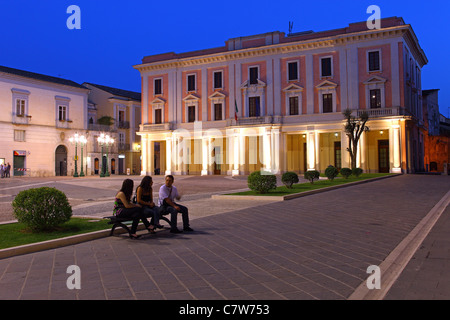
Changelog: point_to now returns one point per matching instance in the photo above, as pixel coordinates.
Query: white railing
(383, 112)
(157, 127)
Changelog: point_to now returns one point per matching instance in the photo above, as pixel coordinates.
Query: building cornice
(53, 85)
(283, 48)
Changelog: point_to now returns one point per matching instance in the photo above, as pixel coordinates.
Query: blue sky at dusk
(115, 35)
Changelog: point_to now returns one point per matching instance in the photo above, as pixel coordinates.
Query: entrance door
(337, 154)
(113, 166)
(157, 158)
(383, 156)
(61, 161)
(305, 159)
(104, 165)
(121, 166)
(18, 165)
(96, 165)
(217, 161)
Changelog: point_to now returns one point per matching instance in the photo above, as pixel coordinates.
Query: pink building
(289, 92)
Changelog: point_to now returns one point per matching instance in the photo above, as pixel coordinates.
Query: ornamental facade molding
(283, 48)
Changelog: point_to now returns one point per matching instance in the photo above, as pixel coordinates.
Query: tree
(354, 127)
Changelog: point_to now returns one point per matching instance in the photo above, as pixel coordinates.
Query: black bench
(120, 222)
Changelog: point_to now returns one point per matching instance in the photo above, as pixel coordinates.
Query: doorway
(61, 161)
(113, 166)
(157, 158)
(217, 165)
(383, 156)
(96, 166)
(104, 165)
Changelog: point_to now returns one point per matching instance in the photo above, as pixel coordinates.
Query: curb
(51, 244)
(393, 265)
(60, 242)
(300, 194)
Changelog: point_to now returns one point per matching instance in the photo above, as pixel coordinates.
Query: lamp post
(105, 140)
(74, 140)
(77, 139)
(82, 141)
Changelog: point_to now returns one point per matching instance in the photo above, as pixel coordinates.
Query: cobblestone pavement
(426, 277)
(316, 247)
(95, 196)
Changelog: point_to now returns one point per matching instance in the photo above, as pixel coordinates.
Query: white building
(39, 115)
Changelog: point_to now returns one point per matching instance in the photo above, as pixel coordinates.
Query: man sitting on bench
(167, 194)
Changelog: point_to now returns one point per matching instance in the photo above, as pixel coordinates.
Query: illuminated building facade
(274, 102)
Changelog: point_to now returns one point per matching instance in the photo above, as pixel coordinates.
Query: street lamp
(82, 141)
(105, 140)
(75, 140)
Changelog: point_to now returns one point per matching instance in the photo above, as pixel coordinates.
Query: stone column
(168, 156)
(145, 151)
(311, 147)
(396, 147)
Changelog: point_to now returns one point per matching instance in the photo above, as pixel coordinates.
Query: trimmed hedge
(289, 178)
(261, 183)
(312, 175)
(42, 209)
(331, 172)
(357, 172)
(346, 172)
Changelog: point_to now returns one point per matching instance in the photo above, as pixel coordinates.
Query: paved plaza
(315, 247)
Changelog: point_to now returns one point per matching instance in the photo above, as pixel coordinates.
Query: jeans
(166, 209)
(134, 214)
(152, 213)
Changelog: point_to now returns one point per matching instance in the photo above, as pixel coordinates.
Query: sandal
(134, 237)
(151, 229)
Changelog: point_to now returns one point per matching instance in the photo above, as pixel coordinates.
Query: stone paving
(316, 247)
(426, 277)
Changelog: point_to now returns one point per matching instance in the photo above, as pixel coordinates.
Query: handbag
(164, 201)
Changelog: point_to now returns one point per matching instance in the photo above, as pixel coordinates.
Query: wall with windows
(284, 87)
(37, 118)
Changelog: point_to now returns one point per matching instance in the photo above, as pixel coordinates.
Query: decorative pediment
(191, 97)
(158, 100)
(326, 85)
(246, 84)
(293, 88)
(217, 95)
(375, 79)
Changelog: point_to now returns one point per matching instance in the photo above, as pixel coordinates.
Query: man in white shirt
(167, 195)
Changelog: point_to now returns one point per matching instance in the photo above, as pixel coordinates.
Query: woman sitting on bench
(124, 209)
(144, 197)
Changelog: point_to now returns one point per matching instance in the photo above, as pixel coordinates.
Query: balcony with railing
(123, 146)
(21, 119)
(384, 112)
(101, 127)
(156, 126)
(123, 124)
(63, 124)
